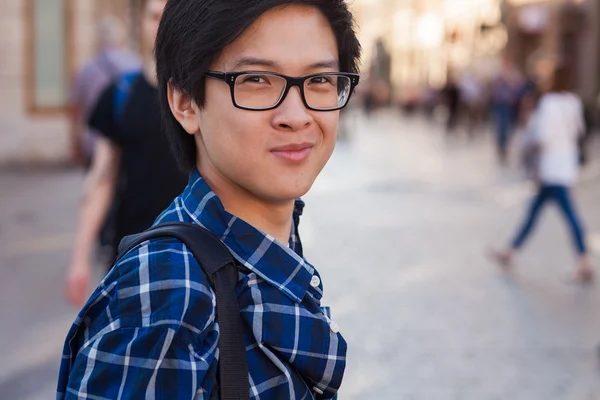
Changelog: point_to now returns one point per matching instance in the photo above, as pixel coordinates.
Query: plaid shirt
(149, 330)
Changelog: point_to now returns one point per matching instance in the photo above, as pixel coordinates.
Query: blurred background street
(398, 225)
(407, 224)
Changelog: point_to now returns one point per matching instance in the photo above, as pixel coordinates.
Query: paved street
(398, 226)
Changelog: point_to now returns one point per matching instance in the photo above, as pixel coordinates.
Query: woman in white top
(557, 124)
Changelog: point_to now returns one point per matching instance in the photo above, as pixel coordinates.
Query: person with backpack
(551, 156)
(217, 300)
(130, 151)
(112, 60)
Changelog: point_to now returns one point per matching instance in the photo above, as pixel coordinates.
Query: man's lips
(293, 152)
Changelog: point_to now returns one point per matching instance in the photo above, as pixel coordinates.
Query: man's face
(150, 19)
(274, 155)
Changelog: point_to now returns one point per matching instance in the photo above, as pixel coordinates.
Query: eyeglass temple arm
(216, 75)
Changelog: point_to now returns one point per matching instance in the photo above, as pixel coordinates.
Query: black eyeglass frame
(231, 77)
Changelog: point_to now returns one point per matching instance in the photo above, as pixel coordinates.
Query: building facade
(42, 45)
(427, 38)
(545, 34)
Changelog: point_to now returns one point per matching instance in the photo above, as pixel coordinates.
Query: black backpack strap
(219, 266)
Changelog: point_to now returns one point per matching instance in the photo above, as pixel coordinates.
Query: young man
(251, 92)
(131, 159)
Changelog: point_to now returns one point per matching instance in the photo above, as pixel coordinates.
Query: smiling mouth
(293, 153)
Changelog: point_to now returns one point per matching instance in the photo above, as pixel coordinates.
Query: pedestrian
(113, 59)
(380, 78)
(556, 125)
(250, 91)
(504, 95)
(472, 98)
(451, 98)
(130, 151)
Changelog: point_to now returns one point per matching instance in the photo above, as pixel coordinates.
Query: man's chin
(284, 193)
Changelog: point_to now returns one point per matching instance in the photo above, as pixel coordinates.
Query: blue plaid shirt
(149, 330)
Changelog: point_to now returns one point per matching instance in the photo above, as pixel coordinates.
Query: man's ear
(183, 109)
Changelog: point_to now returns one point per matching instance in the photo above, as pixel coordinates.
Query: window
(48, 24)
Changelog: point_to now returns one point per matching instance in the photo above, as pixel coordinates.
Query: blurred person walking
(552, 144)
(380, 79)
(504, 96)
(132, 167)
(451, 98)
(472, 97)
(111, 61)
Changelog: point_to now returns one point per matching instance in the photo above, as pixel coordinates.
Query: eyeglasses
(261, 91)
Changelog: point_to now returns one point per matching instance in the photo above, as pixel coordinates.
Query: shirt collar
(281, 265)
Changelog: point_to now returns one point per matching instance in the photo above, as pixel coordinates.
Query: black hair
(192, 34)
(562, 80)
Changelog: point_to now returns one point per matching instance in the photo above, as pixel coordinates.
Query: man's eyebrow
(333, 64)
(253, 61)
(247, 61)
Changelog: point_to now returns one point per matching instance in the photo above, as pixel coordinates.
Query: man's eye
(321, 80)
(255, 79)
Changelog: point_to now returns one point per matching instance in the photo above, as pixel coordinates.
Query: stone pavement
(398, 226)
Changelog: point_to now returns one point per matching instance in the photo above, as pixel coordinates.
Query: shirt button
(334, 327)
(315, 281)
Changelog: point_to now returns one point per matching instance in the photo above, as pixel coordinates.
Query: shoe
(585, 275)
(504, 259)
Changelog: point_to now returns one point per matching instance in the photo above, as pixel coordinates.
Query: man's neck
(273, 218)
(149, 70)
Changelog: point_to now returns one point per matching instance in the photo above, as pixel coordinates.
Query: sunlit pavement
(398, 225)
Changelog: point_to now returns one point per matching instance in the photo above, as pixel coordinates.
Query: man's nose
(292, 114)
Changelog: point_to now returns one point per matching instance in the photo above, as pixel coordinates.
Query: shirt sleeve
(134, 363)
(102, 117)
